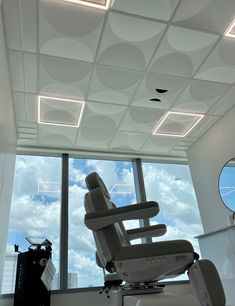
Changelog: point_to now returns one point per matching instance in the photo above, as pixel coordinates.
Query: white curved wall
(206, 159)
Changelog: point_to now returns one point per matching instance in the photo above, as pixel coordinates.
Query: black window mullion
(64, 223)
(140, 190)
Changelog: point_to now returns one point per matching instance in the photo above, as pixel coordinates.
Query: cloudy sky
(36, 205)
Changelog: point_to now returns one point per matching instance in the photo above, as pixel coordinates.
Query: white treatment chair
(140, 265)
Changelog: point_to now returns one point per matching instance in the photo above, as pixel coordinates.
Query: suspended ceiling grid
(114, 60)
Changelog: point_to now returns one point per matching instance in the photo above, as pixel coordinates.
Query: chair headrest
(93, 180)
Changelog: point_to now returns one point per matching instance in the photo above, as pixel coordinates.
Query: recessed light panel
(57, 111)
(230, 32)
(177, 124)
(101, 4)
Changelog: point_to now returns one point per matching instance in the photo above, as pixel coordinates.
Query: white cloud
(173, 190)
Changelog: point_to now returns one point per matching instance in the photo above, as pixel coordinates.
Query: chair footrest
(206, 283)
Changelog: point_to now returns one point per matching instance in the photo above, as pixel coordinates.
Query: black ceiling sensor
(159, 90)
(155, 100)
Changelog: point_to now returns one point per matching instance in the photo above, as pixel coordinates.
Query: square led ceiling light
(230, 32)
(57, 111)
(101, 4)
(177, 124)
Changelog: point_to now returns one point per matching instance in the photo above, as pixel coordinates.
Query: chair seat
(153, 261)
(154, 249)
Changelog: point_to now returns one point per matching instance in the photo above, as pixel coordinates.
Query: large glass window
(35, 210)
(171, 186)
(118, 177)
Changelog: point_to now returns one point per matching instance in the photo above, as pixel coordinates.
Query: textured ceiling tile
(209, 15)
(203, 126)
(31, 107)
(68, 38)
(58, 111)
(185, 143)
(176, 124)
(19, 106)
(100, 115)
(27, 124)
(199, 96)
(220, 65)
(12, 23)
(129, 41)
(180, 148)
(128, 141)
(147, 90)
(177, 153)
(58, 136)
(16, 70)
(69, 30)
(26, 142)
(27, 136)
(182, 51)
(157, 9)
(63, 77)
(27, 130)
(140, 119)
(30, 72)
(224, 104)
(93, 138)
(113, 85)
(159, 144)
(29, 26)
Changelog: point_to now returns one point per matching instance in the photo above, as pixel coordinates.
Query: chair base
(113, 282)
(119, 296)
(206, 283)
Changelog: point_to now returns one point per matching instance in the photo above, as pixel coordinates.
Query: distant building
(9, 273)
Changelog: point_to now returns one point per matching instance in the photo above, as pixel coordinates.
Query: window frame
(140, 196)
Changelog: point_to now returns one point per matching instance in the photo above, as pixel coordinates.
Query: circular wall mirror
(227, 184)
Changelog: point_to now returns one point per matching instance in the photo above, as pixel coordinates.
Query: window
(37, 203)
(171, 186)
(35, 210)
(118, 176)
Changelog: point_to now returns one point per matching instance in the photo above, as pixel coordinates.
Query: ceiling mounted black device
(155, 100)
(161, 91)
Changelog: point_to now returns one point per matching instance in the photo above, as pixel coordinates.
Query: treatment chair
(143, 264)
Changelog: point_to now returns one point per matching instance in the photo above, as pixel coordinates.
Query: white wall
(206, 159)
(7, 147)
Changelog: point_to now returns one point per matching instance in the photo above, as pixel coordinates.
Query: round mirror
(227, 184)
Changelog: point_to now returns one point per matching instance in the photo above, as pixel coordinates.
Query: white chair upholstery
(133, 263)
(144, 263)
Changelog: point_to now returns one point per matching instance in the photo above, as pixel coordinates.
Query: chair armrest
(150, 231)
(100, 219)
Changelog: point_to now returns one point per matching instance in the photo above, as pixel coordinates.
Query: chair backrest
(110, 239)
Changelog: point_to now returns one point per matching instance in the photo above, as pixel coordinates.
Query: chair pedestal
(146, 298)
(119, 296)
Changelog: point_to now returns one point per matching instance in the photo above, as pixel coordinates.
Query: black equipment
(29, 288)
